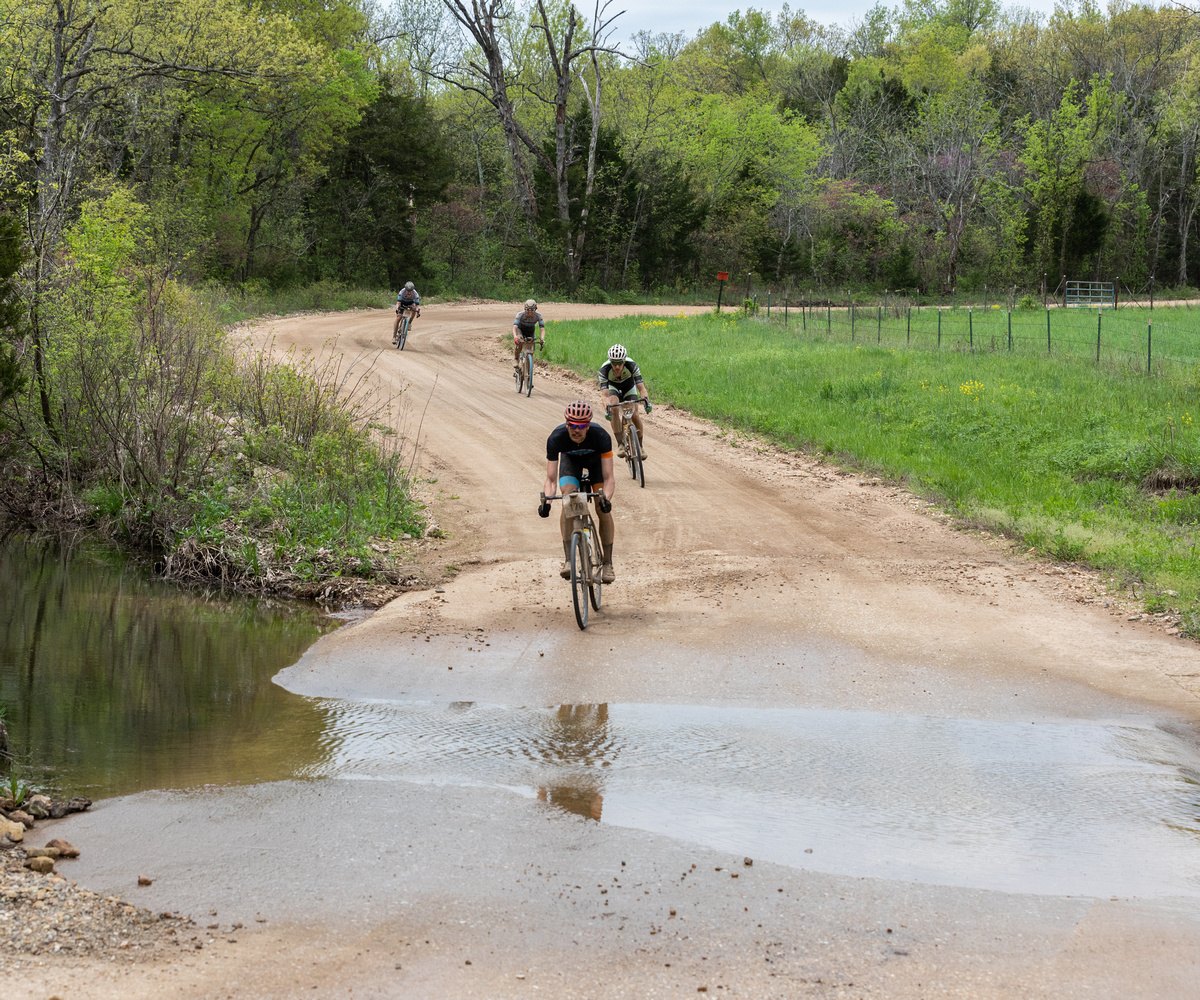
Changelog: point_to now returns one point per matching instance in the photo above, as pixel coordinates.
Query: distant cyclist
(572, 447)
(621, 379)
(407, 299)
(525, 326)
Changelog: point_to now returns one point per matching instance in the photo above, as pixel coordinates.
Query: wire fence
(1152, 341)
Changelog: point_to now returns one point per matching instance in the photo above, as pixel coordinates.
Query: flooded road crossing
(1061, 807)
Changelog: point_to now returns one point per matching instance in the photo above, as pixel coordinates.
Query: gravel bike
(523, 372)
(401, 334)
(629, 437)
(587, 555)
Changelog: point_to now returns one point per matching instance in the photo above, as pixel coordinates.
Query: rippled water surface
(1064, 807)
(111, 682)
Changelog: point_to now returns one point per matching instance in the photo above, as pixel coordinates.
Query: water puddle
(113, 683)
(1057, 807)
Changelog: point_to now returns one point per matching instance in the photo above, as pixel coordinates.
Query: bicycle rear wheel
(528, 374)
(403, 332)
(580, 571)
(596, 585)
(634, 450)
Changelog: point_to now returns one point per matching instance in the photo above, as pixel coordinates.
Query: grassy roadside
(1088, 463)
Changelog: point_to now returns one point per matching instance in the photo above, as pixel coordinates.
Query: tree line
(498, 146)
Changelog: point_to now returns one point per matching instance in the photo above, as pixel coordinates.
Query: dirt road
(748, 581)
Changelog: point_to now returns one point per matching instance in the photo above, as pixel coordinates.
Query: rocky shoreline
(42, 913)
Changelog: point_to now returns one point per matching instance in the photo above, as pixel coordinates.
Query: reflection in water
(113, 683)
(579, 735)
(1051, 806)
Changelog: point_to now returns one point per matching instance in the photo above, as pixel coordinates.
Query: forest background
(158, 157)
(501, 148)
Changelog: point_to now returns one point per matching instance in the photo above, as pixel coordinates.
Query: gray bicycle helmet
(408, 286)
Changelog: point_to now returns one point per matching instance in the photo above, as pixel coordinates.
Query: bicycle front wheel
(580, 572)
(528, 374)
(403, 333)
(634, 449)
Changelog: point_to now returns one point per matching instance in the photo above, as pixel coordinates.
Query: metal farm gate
(1091, 294)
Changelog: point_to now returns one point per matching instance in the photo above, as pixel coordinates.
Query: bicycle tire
(596, 586)
(579, 577)
(528, 374)
(403, 332)
(519, 377)
(635, 457)
(625, 443)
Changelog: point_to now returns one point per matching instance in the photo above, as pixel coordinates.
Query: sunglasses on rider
(578, 427)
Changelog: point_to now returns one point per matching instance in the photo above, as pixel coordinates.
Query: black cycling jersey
(574, 458)
(632, 377)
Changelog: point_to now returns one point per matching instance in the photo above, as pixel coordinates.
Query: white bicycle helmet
(617, 353)
(530, 304)
(408, 286)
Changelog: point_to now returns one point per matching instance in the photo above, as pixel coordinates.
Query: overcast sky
(690, 15)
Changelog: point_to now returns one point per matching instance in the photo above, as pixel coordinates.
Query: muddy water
(114, 683)
(1047, 806)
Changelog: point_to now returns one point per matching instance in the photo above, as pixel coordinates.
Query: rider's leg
(564, 527)
(607, 574)
(618, 425)
(516, 352)
(396, 326)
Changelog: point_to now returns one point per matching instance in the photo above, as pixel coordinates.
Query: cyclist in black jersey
(572, 447)
(621, 379)
(526, 324)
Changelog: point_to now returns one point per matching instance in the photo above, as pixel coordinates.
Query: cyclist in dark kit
(572, 447)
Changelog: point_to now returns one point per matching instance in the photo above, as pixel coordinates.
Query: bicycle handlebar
(565, 496)
(608, 407)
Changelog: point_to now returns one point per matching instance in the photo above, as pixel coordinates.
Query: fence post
(908, 334)
(879, 324)
(1152, 293)
(828, 318)
(1047, 331)
(985, 296)
(885, 295)
(768, 305)
(1149, 338)
(1010, 331)
(1116, 291)
(1099, 318)
(939, 329)
(970, 328)
(851, 321)
(918, 302)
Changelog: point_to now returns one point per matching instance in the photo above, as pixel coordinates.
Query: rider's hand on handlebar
(648, 406)
(604, 504)
(544, 508)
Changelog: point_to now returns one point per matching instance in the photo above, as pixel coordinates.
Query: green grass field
(1088, 462)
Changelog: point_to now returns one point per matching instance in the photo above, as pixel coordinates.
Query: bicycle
(401, 334)
(587, 556)
(629, 437)
(523, 371)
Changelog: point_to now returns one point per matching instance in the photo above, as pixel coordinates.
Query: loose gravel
(47, 915)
